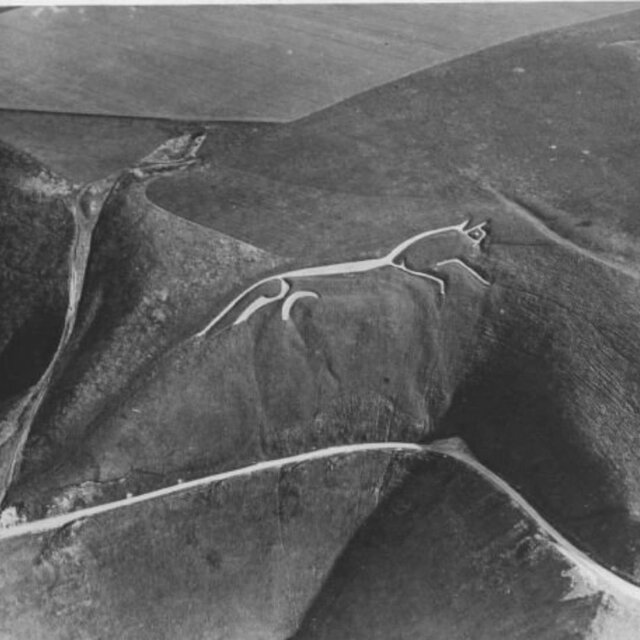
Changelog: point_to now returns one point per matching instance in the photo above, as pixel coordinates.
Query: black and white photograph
(320, 321)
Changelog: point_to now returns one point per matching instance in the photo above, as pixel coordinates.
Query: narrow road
(600, 576)
(456, 449)
(55, 522)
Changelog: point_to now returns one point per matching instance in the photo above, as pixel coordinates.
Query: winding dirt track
(452, 448)
(84, 217)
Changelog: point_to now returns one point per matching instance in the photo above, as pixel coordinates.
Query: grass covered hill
(206, 341)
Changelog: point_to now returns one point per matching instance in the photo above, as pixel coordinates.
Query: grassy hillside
(359, 545)
(523, 343)
(36, 228)
(274, 63)
(550, 120)
(536, 135)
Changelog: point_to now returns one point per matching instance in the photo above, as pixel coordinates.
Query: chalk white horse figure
(472, 236)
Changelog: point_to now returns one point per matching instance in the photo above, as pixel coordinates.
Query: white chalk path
(474, 234)
(599, 576)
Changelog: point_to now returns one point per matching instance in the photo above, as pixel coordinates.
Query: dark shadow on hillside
(514, 412)
(29, 351)
(446, 556)
(36, 229)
